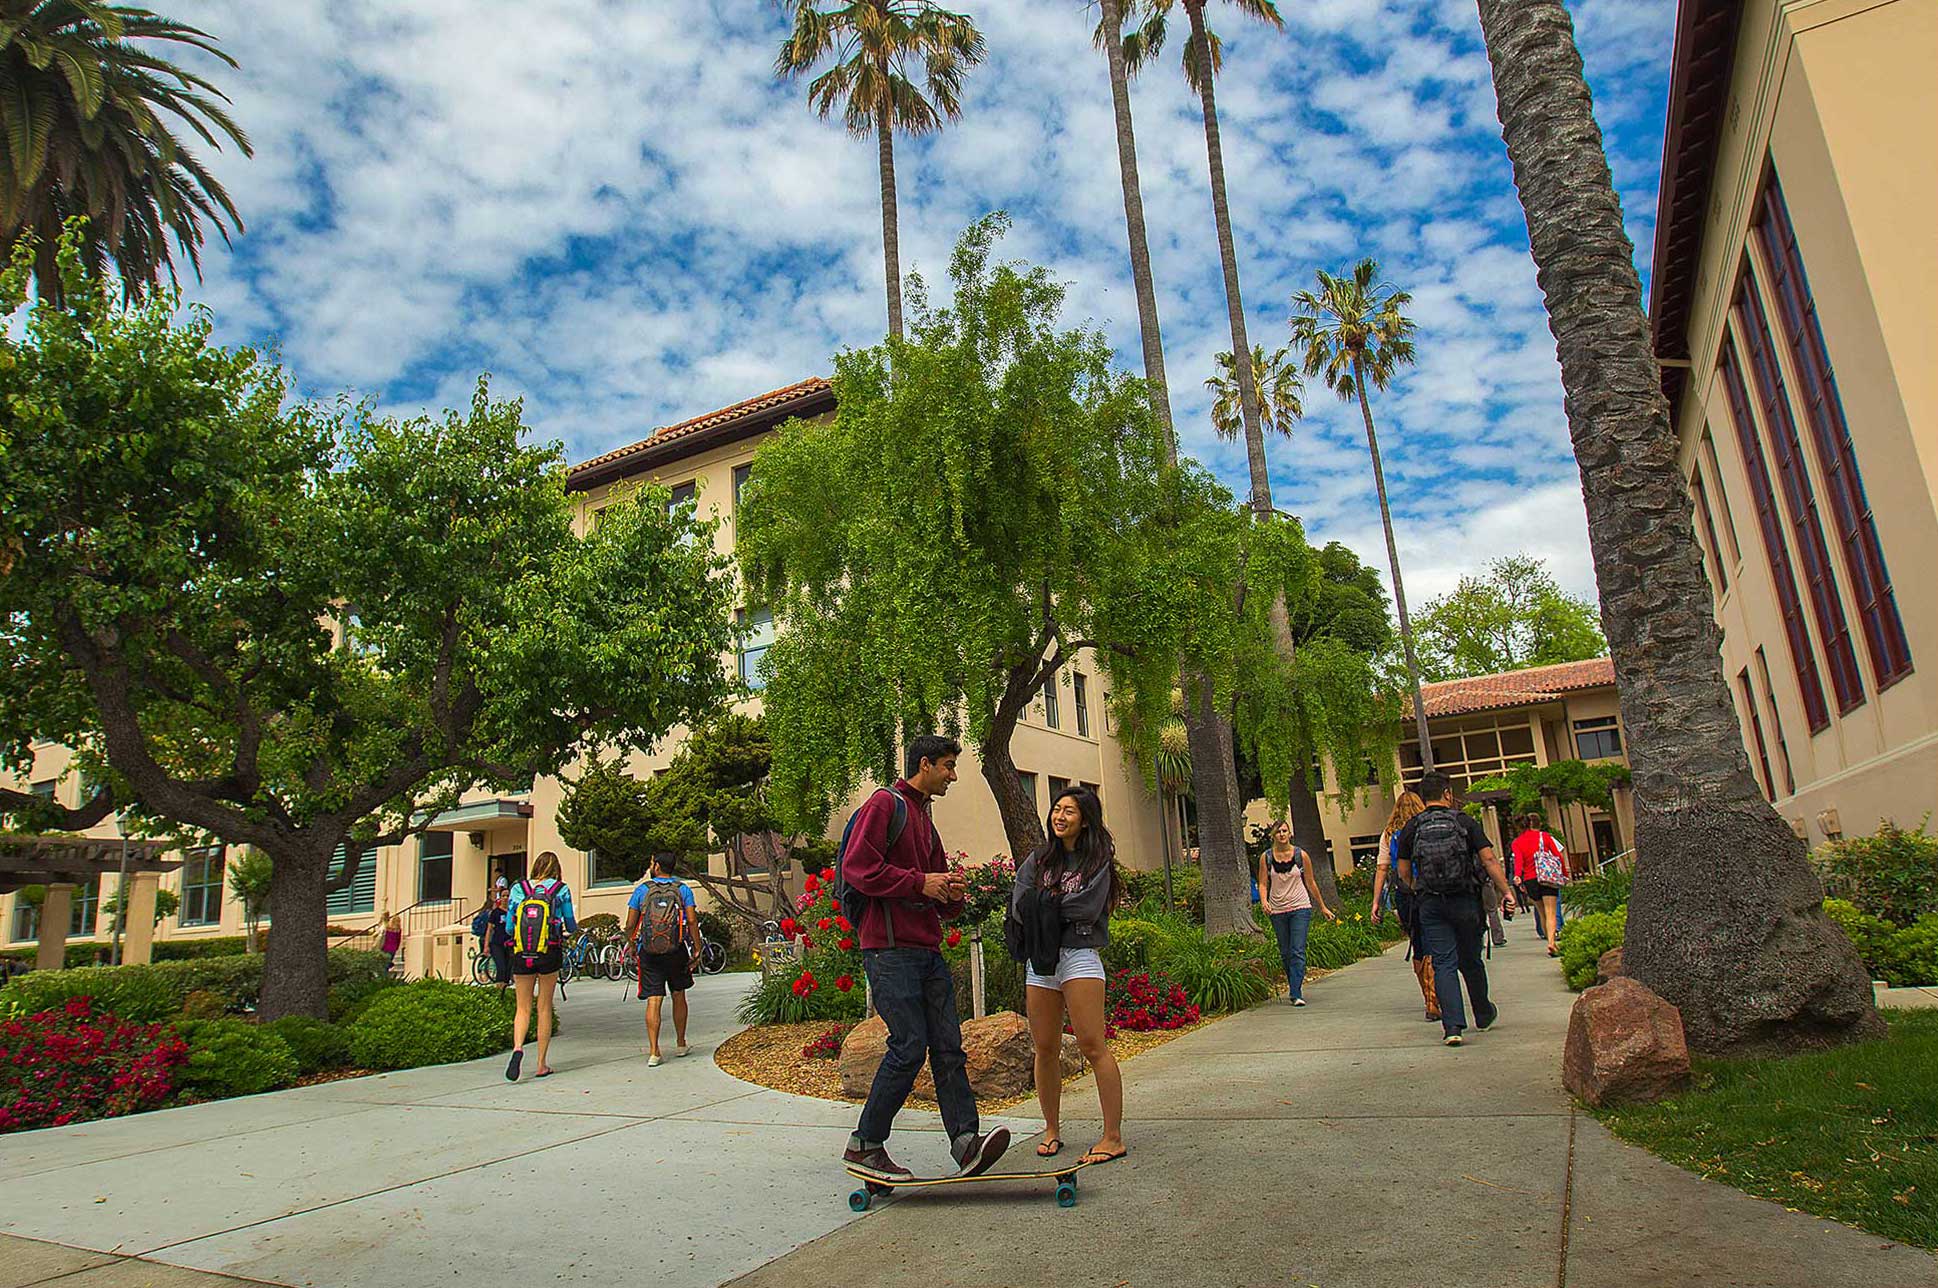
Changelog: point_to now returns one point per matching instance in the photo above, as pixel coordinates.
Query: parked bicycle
(482, 967)
(576, 959)
(713, 957)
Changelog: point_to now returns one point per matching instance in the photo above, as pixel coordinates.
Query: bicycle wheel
(713, 957)
(481, 968)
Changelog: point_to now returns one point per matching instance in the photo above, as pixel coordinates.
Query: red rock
(1624, 1044)
(1608, 966)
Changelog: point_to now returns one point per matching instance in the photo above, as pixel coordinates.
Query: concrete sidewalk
(450, 1174)
(1341, 1145)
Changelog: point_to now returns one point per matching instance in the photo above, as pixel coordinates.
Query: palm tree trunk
(1221, 850)
(1228, 256)
(1726, 921)
(891, 233)
(1140, 249)
(1399, 586)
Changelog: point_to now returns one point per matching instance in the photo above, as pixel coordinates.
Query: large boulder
(1002, 1061)
(1624, 1044)
(1608, 966)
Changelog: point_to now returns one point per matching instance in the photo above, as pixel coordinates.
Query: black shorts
(659, 972)
(1536, 890)
(545, 963)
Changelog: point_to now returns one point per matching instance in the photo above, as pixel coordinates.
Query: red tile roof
(1535, 684)
(749, 407)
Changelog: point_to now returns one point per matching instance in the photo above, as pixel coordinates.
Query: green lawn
(1850, 1134)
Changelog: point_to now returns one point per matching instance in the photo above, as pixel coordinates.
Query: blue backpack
(849, 900)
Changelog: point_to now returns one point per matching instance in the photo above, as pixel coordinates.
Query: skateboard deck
(876, 1186)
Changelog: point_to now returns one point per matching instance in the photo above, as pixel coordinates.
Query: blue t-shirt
(640, 894)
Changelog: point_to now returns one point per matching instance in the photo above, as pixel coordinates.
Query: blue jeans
(916, 997)
(1291, 928)
(1452, 927)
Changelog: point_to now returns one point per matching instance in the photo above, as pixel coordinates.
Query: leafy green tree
(295, 626)
(1353, 333)
(1279, 390)
(879, 50)
(957, 536)
(1727, 921)
(167, 903)
(86, 131)
(1514, 616)
(604, 811)
(252, 875)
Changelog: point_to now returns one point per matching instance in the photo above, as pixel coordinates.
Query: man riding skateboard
(893, 859)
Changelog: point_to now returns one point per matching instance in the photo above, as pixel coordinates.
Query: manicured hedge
(317, 1046)
(233, 1058)
(1901, 956)
(430, 1022)
(144, 994)
(1584, 939)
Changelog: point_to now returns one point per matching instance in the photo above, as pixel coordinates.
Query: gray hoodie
(1086, 905)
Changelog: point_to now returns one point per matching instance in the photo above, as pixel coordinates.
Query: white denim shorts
(1071, 963)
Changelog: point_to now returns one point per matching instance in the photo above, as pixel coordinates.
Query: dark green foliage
(1583, 940)
(351, 997)
(1603, 893)
(1845, 1133)
(182, 950)
(430, 1022)
(1892, 874)
(1146, 890)
(1901, 956)
(775, 1002)
(1229, 973)
(1357, 884)
(1566, 780)
(143, 994)
(233, 1058)
(316, 1046)
(1515, 616)
(203, 1004)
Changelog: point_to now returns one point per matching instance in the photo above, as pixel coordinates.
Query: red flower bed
(74, 1063)
(827, 1046)
(1141, 1001)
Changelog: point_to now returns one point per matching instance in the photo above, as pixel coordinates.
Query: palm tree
(872, 44)
(1279, 392)
(1353, 334)
(84, 135)
(1726, 921)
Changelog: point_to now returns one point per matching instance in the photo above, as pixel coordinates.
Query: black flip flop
(511, 1069)
(548, 1073)
(1091, 1159)
(1050, 1153)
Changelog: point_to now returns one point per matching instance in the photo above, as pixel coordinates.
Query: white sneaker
(1452, 1039)
(1298, 1001)
(684, 1050)
(652, 1062)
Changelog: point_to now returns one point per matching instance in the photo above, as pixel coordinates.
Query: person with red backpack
(662, 918)
(540, 919)
(893, 883)
(1541, 866)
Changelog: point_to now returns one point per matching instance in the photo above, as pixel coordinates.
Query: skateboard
(875, 1186)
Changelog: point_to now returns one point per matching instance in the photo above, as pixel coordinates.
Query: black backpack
(849, 900)
(1443, 861)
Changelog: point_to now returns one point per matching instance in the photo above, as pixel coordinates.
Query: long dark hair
(1095, 849)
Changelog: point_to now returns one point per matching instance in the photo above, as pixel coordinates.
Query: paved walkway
(1277, 1147)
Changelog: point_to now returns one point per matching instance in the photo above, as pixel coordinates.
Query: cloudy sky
(613, 208)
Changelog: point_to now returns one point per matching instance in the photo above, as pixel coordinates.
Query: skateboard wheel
(1066, 1194)
(858, 1201)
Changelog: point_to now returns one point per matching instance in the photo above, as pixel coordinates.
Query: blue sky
(614, 209)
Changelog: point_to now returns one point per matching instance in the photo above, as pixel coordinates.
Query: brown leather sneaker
(983, 1153)
(876, 1160)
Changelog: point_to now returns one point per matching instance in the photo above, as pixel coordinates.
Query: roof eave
(659, 450)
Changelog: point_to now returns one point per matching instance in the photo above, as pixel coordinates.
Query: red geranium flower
(845, 944)
(812, 883)
(844, 982)
(826, 923)
(827, 874)
(955, 937)
(789, 926)
(842, 922)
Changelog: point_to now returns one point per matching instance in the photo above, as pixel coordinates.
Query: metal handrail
(425, 914)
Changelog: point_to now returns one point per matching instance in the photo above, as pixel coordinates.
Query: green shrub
(201, 1004)
(317, 1046)
(1131, 942)
(349, 964)
(1187, 891)
(1356, 885)
(1603, 893)
(80, 952)
(1333, 944)
(183, 950)
(233, 1058)
(141, 994)
(1220, 975)
(1901, 956)
(1892, 874)
(431, 1021)
(1583, 940)
(775, 1001)
(352, 997)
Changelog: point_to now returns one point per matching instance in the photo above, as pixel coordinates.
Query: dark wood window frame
(1776, 722)
(1756, 730)
(1712, 548)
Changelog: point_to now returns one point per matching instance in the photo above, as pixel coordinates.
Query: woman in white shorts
(1060, 914)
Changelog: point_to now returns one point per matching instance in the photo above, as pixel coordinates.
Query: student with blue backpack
(540, 920)
(661, 916)
(1443, 857)
(893, 883)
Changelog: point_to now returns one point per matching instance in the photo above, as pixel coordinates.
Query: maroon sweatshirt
(893, 880)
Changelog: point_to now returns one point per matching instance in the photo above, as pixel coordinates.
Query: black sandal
(1056, 1147)
(1097, 1157)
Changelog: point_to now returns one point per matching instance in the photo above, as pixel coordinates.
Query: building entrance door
(510, 866)
(1604, 830)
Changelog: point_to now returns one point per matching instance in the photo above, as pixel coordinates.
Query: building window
(26, 921)
(1469, 750)
(683, 494)
(1598, 739)
(1365, 851)
(609, 871)
(1789, 603)
(1823, 412)
(1800, 497)
(361, 894)
(1094, 790)
(85, 908)
(759, 625)
(1721, 498)
(434, 867)
(202, 872)
(1082, 697)
(1756, 731)
(1052, 716)
(1776, 722)
(741, 473)
(1057, 785)
(1712, 548)
(1028, 781)
(46, 788)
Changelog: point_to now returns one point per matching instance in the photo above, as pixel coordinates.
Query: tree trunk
(891, 234)
(1140, 249)
(296, 963)
(1727, 920)
(1022, 829)
(1221, 851)
(1309, 833)
(1399, 586)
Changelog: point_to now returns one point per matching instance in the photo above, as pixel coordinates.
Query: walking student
(493, 939)
(1405, 809)
(392, 941)
(1541, 866)
(1443, 857)
(1058, 922)
(541, 919)
(1290, 894)
(661, 917)
(891, 871)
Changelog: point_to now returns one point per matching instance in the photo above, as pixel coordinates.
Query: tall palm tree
(85, 129)
(1354, 334)
(1279, 393)
(1726, 921)
(872, 45)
